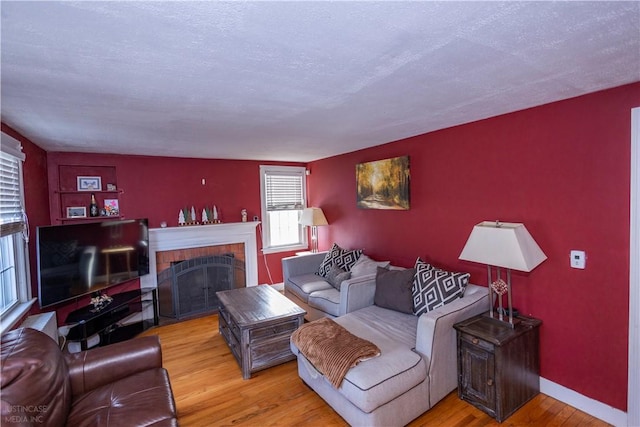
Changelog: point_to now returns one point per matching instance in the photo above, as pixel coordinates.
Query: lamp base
(505, 311)
(505, 318)
(314, 239)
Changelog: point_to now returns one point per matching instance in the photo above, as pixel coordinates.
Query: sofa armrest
(299, 265)
(103, 365)
(436, 338)
(357, 293)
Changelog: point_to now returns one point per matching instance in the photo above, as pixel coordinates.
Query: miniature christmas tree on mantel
(216, 220)
(188, 217)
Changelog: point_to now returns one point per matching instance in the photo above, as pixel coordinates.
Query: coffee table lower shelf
(257, 323)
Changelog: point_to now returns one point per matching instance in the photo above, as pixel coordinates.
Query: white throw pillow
(366, 265)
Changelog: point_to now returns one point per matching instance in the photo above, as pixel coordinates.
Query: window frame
(14, 313)
(267, 247)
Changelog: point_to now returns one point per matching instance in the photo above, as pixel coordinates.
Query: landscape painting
(383, 184)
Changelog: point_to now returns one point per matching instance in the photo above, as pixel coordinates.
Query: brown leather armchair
(122, 384)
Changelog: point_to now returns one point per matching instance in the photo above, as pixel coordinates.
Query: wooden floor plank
(209, 391)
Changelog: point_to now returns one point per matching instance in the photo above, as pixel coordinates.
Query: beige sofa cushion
(305, 284)
(377, 381)
(365, 266)
(327, 300)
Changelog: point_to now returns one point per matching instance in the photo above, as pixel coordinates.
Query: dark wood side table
(498, 366)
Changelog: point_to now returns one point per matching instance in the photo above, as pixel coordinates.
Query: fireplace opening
(189, 287)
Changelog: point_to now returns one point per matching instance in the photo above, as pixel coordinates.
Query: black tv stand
(128, 314)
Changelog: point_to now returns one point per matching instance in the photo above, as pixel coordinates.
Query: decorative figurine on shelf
(244, 215)
(205, 217)
(193, 215)
(181, 218)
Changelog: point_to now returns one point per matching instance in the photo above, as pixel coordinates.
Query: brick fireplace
(237, 238)
(165, 259)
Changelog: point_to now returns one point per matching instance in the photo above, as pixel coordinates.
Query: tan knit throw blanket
(331, 348)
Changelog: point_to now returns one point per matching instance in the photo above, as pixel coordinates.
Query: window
(15, 292)
(283, 195)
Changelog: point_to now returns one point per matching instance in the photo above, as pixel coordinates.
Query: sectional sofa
(320, 298)
(417, 365)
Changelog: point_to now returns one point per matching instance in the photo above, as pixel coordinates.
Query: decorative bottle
(93, 207)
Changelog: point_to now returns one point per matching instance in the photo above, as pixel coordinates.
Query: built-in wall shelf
(85, 192)
(90, 219)
(76, 184)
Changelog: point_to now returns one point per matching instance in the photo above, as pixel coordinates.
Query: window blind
(11, 211)
(283, 191)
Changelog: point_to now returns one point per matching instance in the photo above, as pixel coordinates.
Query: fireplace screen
(189, 287)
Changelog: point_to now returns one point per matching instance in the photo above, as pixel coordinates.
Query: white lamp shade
(503, 244)
(313, 216)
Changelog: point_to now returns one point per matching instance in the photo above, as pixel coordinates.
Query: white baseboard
(592, 407)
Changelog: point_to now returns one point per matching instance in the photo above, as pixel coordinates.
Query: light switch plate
(578, 259)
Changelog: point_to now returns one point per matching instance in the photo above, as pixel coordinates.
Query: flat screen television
(79, 259)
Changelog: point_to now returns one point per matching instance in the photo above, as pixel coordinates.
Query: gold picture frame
(383, 184)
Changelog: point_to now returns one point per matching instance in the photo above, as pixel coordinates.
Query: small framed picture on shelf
(111, 207)
(89, 183)
(76, 212)
(111, 187)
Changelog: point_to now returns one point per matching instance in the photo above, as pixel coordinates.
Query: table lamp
(502, 245)
(313, 217)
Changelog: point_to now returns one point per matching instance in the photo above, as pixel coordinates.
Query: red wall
(563, 170)
(158, 187)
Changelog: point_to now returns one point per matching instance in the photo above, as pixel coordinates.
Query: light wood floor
(209, 390)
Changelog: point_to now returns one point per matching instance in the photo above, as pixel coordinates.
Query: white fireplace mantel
(195, 236)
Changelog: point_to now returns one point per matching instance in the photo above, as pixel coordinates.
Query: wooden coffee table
(257, 323)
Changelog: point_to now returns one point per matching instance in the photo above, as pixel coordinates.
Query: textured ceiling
(295, 80)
